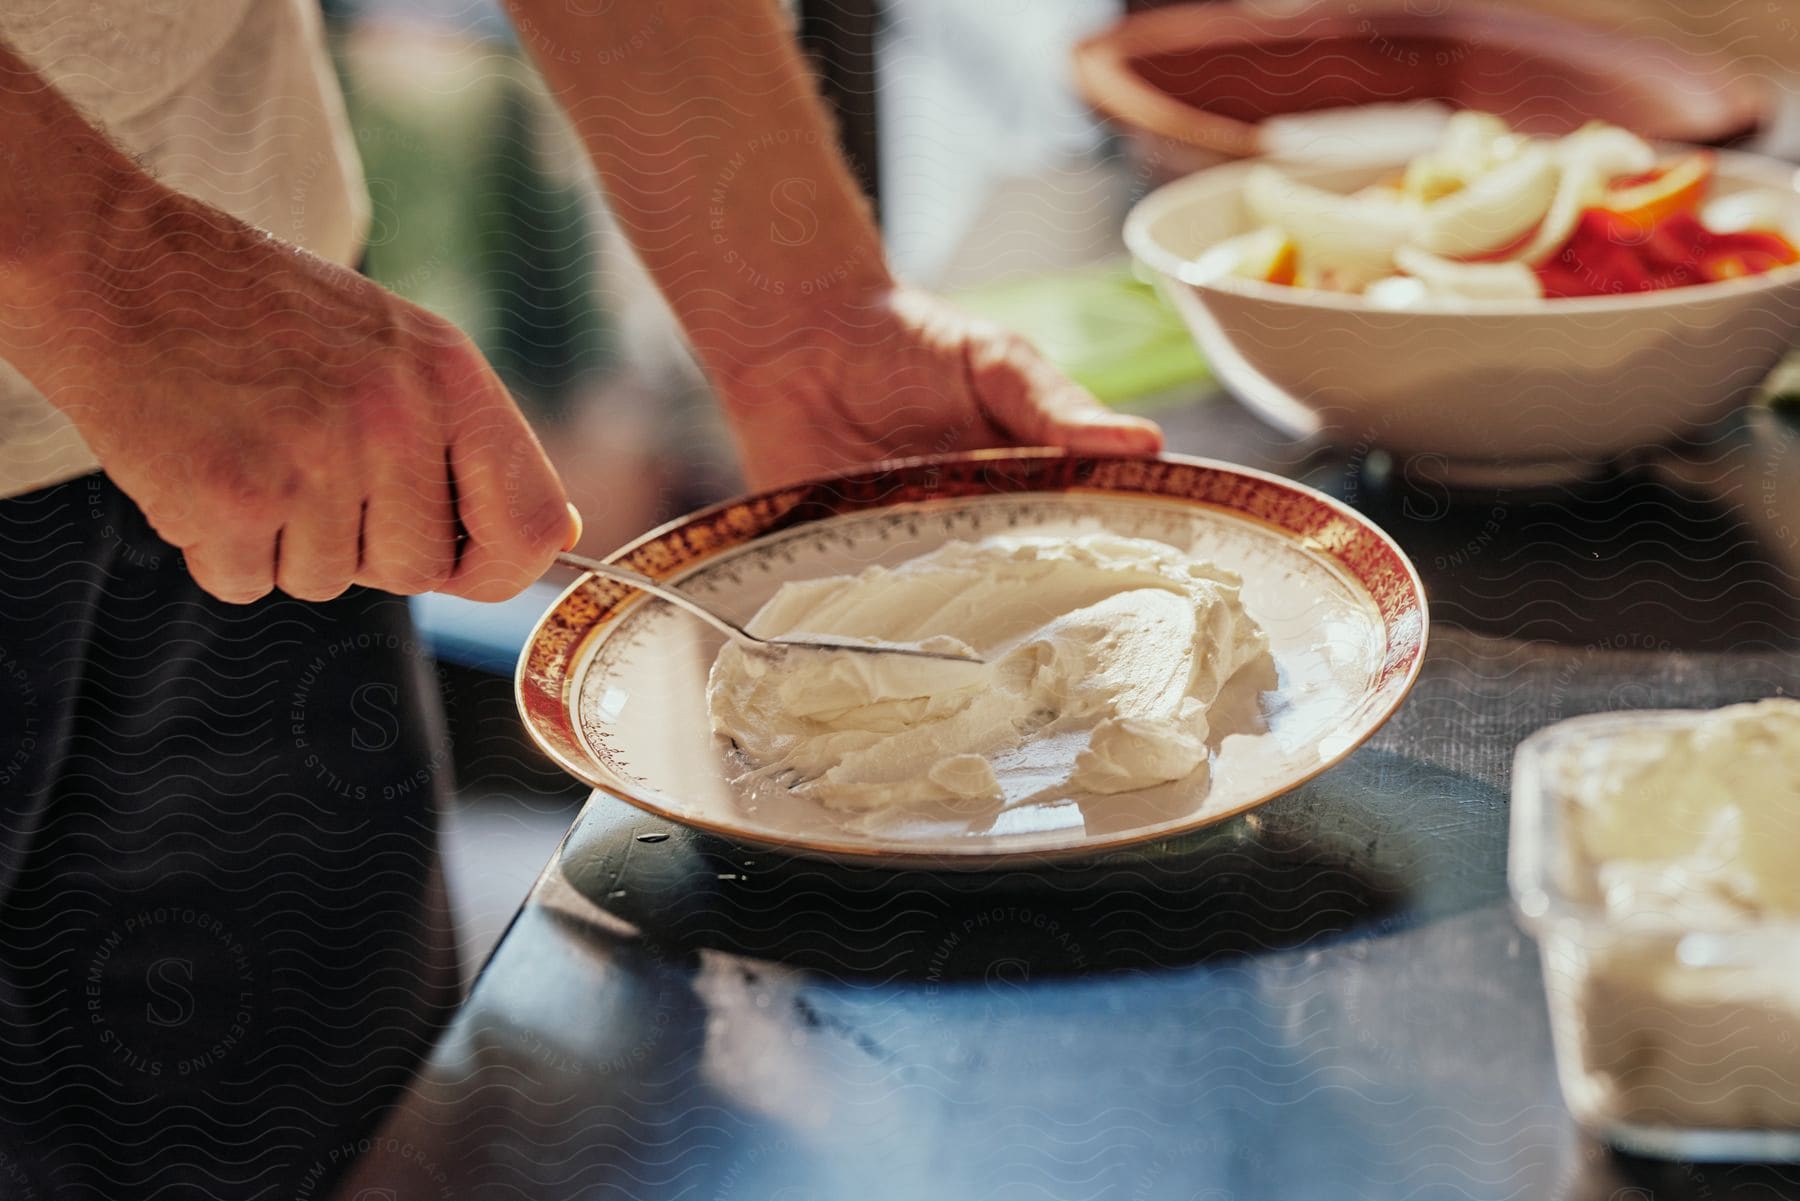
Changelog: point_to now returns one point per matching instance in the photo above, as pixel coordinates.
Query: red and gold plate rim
(547, 677)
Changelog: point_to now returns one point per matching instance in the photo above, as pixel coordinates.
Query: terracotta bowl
(1190, 83)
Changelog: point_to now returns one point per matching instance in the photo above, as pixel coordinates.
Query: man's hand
(903, 373)
(282, 420)
(285, 422)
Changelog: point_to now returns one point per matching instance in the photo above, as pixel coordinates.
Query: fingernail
(1098, 417)
(574, 528)
(1105, 423)
(1101, 416)
(1116, 433)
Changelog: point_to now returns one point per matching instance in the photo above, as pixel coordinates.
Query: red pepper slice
(1609, 253)
(1760, 242)
(1674, 186)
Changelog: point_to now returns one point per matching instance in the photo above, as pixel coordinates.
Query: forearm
(60, 181)
(101, 265)
(718, 159)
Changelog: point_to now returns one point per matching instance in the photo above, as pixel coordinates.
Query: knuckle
(428, 329)
(448, 362)
(248, 492)
(1003, 354)
(1010, 346)
(390, 414)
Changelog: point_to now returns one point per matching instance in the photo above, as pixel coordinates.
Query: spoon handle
(737, 633)
(674, 596)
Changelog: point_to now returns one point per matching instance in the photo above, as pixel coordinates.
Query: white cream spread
(1700, 823)
(1102, 654)
(1681, 1008)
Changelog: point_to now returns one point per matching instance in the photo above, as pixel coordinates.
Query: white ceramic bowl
(1511, 389)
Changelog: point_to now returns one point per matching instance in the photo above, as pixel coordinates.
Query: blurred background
(995, 180)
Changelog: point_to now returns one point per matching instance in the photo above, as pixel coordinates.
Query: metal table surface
(1328, 998)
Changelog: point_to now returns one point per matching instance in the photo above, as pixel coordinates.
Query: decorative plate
(612, 684)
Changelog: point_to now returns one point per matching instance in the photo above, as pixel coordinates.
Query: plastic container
(1673, 1039)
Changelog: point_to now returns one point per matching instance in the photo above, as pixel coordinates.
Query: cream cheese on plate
(1103, 654)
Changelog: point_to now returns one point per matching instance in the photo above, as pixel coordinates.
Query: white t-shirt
(231, 101)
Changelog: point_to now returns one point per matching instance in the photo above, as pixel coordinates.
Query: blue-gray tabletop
(1328, 998)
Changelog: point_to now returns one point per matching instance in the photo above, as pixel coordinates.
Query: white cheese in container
(1656, 856)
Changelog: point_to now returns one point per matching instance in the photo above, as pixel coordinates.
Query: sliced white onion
(1470, 140)
(1348, 239)
(1494, 210)
(1756, 209)
(1591, 156)
(1397, 292)
(1609, 149)
(1582, 187)
(1471, 145)
(1246, 256)
(1469, 281)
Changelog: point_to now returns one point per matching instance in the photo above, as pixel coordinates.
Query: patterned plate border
(546, 680)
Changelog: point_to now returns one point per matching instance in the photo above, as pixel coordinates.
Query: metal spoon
(737, 633)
